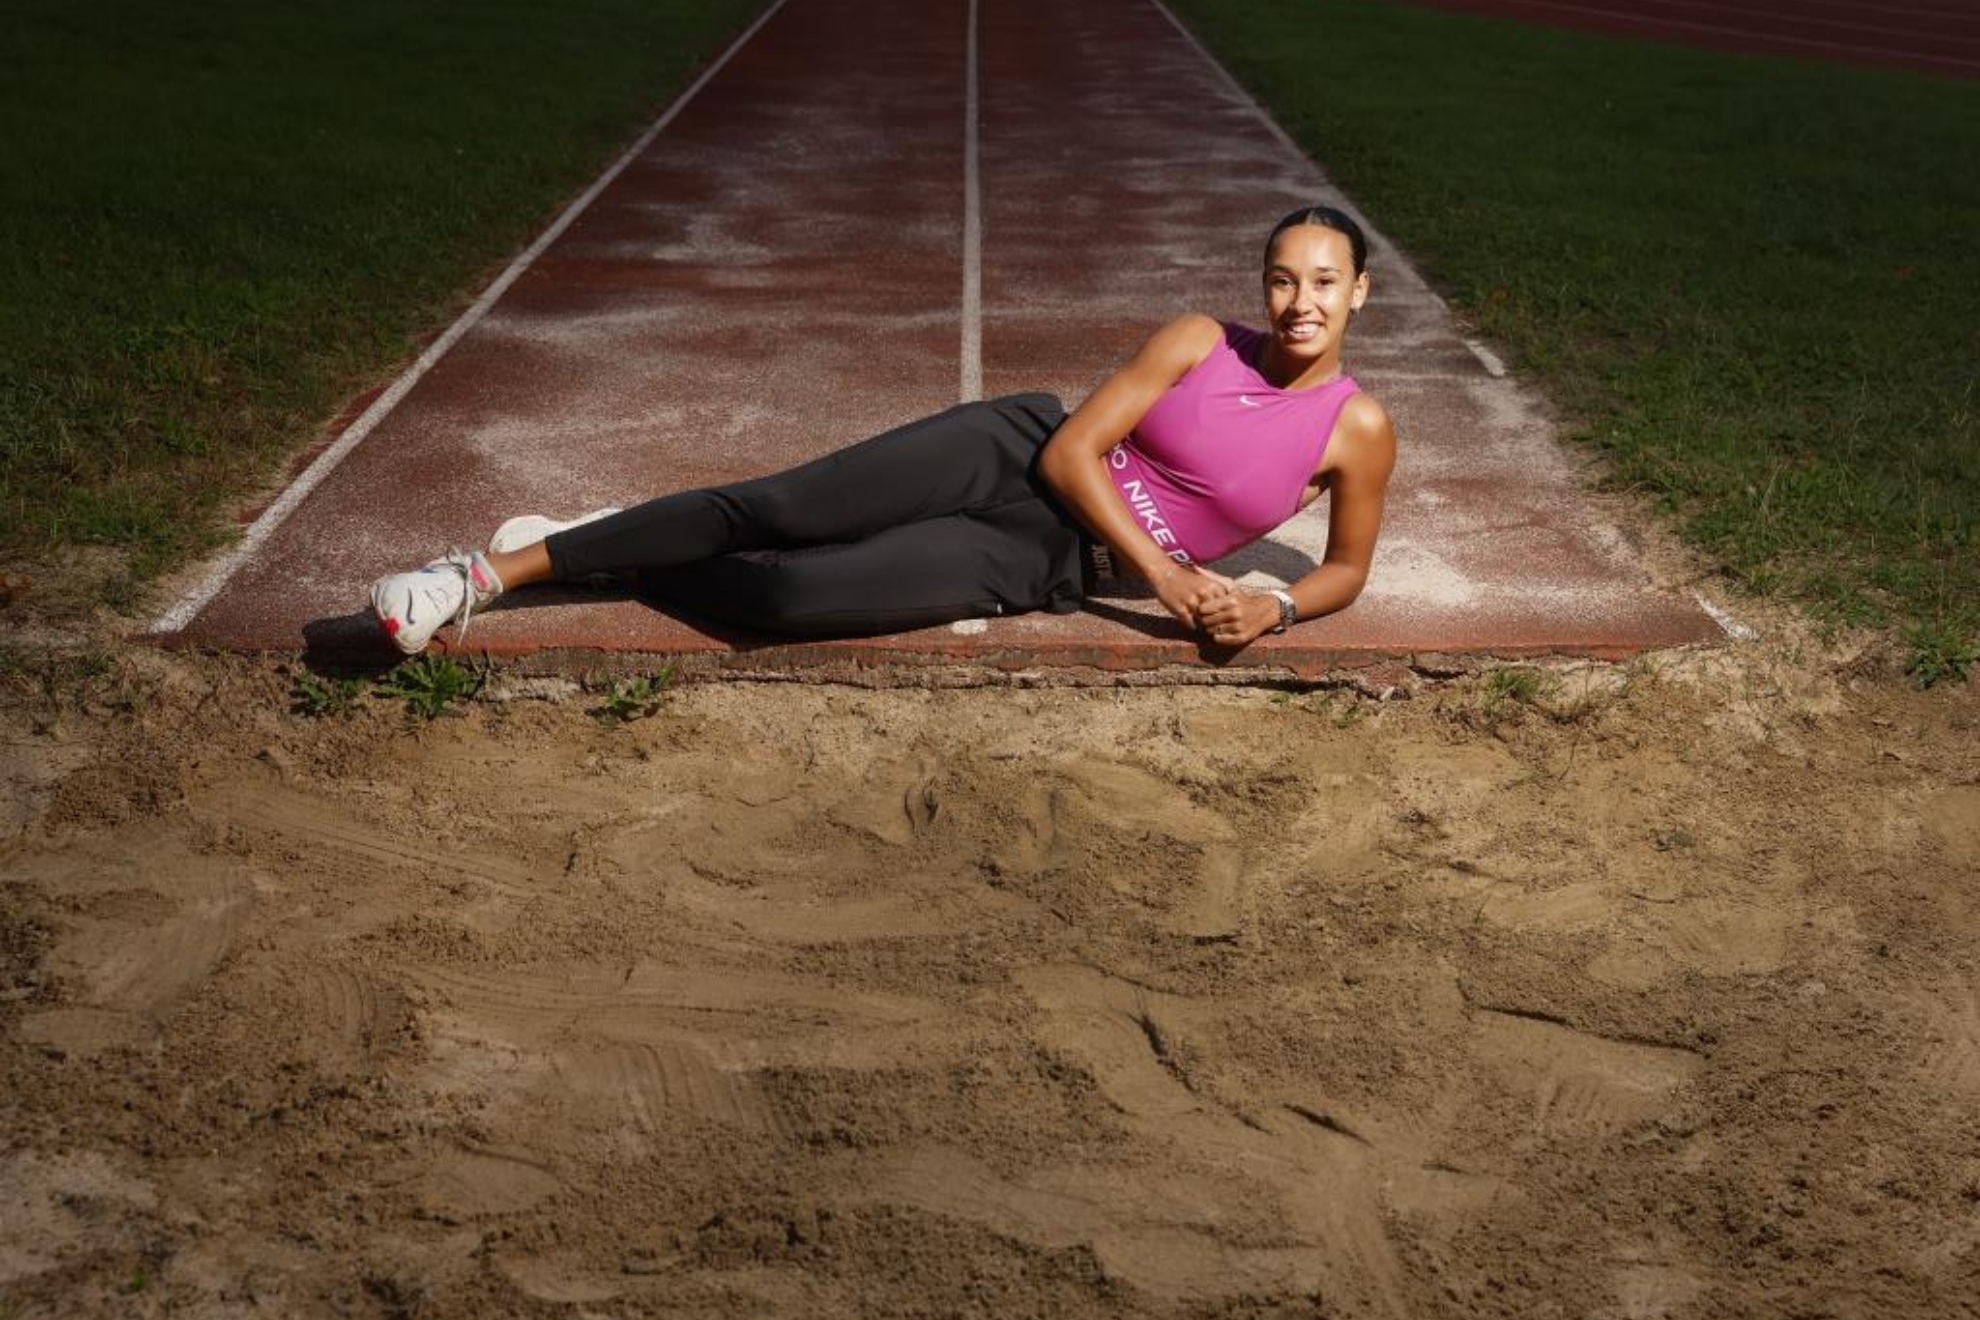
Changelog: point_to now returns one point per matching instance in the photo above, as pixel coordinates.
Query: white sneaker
(411, 607)
(533, 527)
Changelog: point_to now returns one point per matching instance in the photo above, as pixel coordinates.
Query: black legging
(942, 519)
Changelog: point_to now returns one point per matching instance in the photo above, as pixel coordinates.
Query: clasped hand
(1214, 605)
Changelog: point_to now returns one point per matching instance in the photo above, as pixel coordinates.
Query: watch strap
(1288, 610)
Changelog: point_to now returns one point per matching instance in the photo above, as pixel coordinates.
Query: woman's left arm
(1361, 454)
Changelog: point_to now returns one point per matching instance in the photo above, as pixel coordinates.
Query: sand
(1653, 994)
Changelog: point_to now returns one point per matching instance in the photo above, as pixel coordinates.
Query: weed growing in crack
(631, 699)
(433, 685)
(1507, 692)
(1939, 651)
(1340, 708)
(319, 696)
(56, 684)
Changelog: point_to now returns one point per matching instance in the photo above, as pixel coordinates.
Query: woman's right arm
(1074, 461)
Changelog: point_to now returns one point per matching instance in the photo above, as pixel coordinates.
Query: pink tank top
(1223, 457)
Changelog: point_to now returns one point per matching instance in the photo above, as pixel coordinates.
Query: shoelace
(464, 565)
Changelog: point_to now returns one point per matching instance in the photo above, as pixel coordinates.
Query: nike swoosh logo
(1249, 402)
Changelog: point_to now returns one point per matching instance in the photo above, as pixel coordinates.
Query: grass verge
(224, 220)
(1749, 280)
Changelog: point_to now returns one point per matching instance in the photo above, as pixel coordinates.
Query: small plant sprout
(634, 698)
(321, 695)
(1939, 651)
(1521, 685)
(433, 685)
(1507, 689)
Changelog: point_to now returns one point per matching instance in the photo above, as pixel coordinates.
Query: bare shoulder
(1364, 419)
(1196, 328)
(1364, 440)
(1117, 406)
(1180, 344)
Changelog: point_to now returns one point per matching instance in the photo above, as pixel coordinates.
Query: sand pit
(1649, 994)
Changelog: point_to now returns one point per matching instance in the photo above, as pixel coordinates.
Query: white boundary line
(1486, 357)
(1732, 627)
(972, 287)
(195, 600)
(1493, 365)
(1237, 88)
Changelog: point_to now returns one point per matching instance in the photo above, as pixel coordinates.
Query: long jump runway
(866, 211)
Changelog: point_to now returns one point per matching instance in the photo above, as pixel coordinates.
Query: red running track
(1923, 36)
(871, 209)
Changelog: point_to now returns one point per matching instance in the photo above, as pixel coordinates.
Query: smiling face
(1310, 288)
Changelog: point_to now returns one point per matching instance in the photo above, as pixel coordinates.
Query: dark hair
(1327, 217)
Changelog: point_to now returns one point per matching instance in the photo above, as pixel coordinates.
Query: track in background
(1917, 35)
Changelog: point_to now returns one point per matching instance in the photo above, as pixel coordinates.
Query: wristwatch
(1288, 610)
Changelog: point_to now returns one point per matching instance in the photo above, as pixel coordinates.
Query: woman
(1208, 439)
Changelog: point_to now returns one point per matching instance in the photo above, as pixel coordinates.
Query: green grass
(432, 685)
(224, 219)
(1752, 282)
(635, 698)
(321, 696)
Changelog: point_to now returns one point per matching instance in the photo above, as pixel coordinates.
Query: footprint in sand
(1582, 905)
(349, 1017)
(1194, 1239)
(56, 1207)
(1073, 808)
(1160, 846)
(154, 920)
(496, 1034)
(1653, 1282)
(1579, 1080)
(1952, 1061)
(892, 804)
(297, 819)
(1952, 817)
(466, 1183)
(643, 1088)
(784, 912)
(1658, 929)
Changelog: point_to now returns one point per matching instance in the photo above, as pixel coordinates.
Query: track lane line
(972, 288)
(1236, 88)
(258, 532)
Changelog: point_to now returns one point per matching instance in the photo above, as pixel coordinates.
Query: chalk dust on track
(1631, 998)
(783, 272)
(1651, 993)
